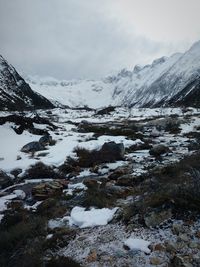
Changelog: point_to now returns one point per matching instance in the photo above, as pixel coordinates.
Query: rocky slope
(15, 93)
(167, 81)
(89, 190)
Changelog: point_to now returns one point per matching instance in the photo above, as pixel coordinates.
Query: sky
(89, 39)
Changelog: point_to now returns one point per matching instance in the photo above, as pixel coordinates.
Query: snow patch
(90, 218)
(138, 244)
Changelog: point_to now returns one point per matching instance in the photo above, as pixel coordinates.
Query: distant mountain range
(168, 81)
(15, 93)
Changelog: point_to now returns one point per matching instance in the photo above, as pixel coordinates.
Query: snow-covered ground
(99, 235)
(67, 138)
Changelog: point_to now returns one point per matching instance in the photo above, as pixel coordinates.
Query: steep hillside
(15, 93)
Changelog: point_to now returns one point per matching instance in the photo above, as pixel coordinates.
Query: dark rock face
(32, 147)
(5, 180)
(105, 111)
(189, 96)
(113, 150)
(26, 123)
(15, 93)
(45, 140)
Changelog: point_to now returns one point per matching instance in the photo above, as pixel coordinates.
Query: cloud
(91, 38)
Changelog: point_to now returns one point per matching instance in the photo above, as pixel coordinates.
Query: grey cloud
(70, 38)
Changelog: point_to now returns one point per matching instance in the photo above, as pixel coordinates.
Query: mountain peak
(16, 94)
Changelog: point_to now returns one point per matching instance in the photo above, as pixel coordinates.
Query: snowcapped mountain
(75, 93)
(167, 81)
(15, 93)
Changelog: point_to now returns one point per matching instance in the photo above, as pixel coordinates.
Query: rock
(170, 247)
(46, 190)
(120, 171)
(193, 145)
(20, 194)
(177, 229)
(180, 244)
(159, 247)
(178, 261)
(183, 237)
(155, 218)
(5, 180)
(105, 111)
(91, 183)
(155, 261)
(193, 244)
(19, 157)
(16, 172)
(32, 147)
(158, 150)
(92, 257)
(113, 150)
(125, 180)
(85, 122)
(45, 140)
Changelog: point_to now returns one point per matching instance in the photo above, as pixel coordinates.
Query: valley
(98, 187)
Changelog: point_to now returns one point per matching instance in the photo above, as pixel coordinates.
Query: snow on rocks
(77, 186)
(90, 218)
(83, 218)
(20, 194)
(138, 244)
(73, 187)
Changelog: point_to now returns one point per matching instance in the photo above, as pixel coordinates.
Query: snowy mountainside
(157, 84)
(15, 93)
(75, 93)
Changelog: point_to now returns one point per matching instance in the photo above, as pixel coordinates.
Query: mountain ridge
(15, 93)
(152, 85)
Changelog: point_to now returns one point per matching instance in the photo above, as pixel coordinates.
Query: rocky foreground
(106, 188)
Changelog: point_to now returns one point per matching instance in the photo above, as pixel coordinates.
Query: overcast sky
(70, 39)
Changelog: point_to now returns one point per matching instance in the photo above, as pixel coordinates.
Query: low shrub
(40, 170)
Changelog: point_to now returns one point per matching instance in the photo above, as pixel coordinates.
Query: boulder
(155, 218)
(47, 190)
(125, 180)
(32, 147)
(91, 183)
(178, 261)
(120, 171)
(113, 150)
(16, 172)
(105, 111)
(5, 180)
(45, 140)
(158, 150)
